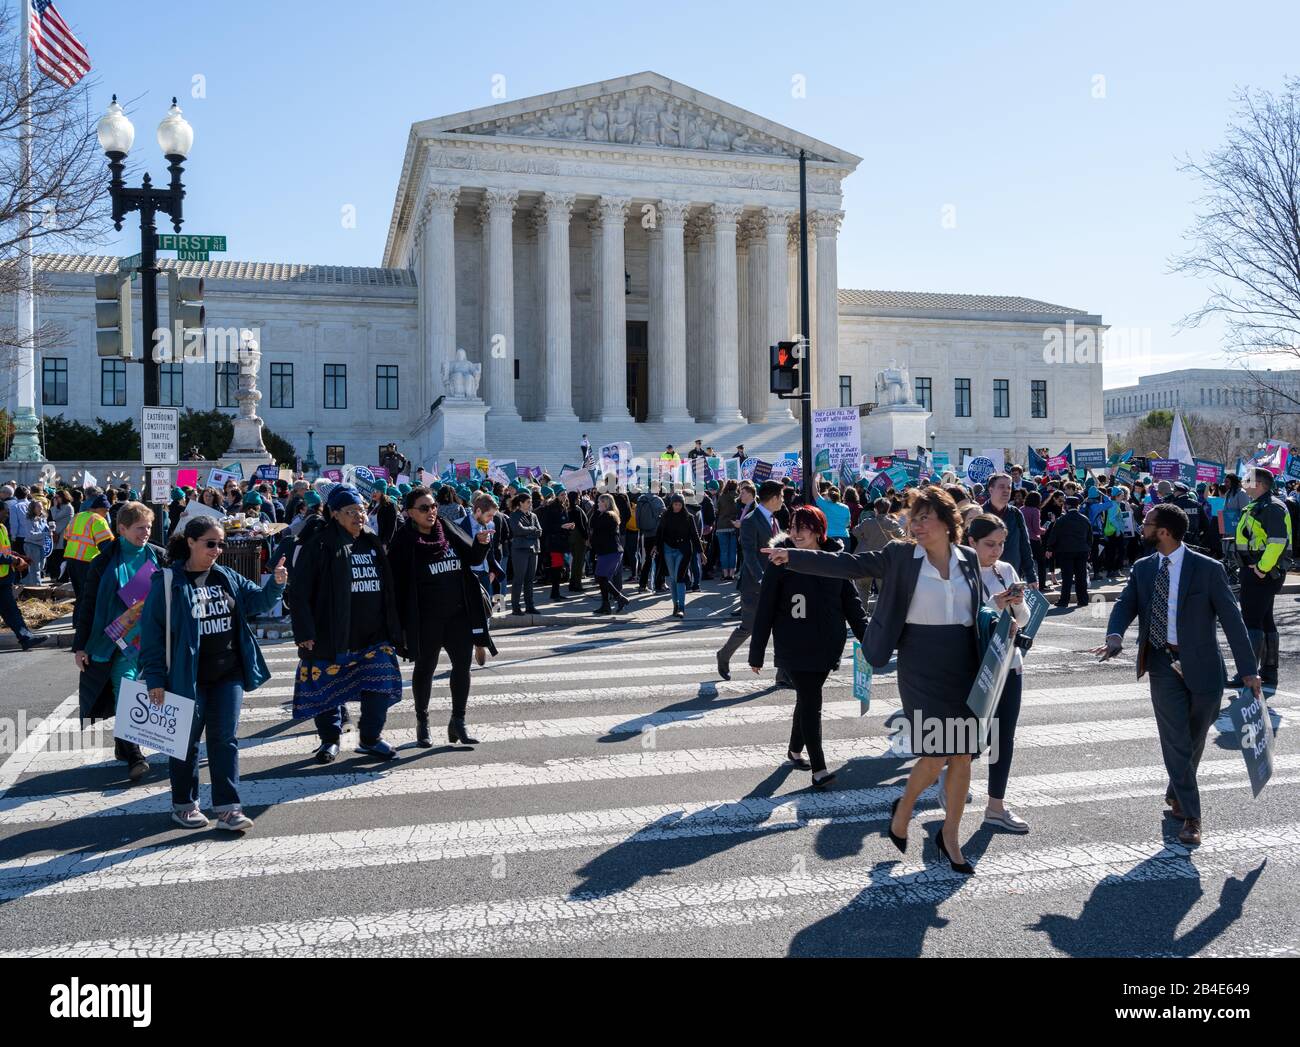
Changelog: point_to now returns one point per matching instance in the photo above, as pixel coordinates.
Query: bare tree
(65, 195)
(1246, 236)
(1212, 440)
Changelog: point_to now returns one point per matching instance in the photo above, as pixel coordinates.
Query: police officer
(1263, 541)
(86, 535)
(1198, 524)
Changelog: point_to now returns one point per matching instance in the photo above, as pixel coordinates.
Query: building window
(1001, 398)
(227, 384)
(962, 394)
(923, 393)
(112, 383)
(54, 381)
(386, 387)
(282, 385)
(334, 454)
(846, 390)
(336, 386)
(516, 368)
(1038, 398)
(962, 454)
(171, 385)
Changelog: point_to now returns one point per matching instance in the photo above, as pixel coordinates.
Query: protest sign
(616, 458)
(364, 479)
(1293, 467)
(1163, 469)
(530, 472)
(379, 473)
(165, 728)
(731, 469)
(822, 460)
(1058, 463)
(837, 431)
(463, 470)
(1090, 458)
(218, 477)
(267, 472)
(1187, 473)
(979, 469)
(237, 468)
(997, 456)
(578, 480)
(187, 477)
(986, 691)
(1140, 464)
(1254, 725)
(747, 468)
(333, 475)
(1038, 605)
(939, 461)
(762, 471)
(861, 679)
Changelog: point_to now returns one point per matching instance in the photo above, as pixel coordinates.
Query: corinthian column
(701, 335)
(655, 328)
(559, 328)
(669, 370)
(826, 350)
(726, 325)
(499, 347)
(759, 327)
(611, 381)
(779, 327)
(438, 279)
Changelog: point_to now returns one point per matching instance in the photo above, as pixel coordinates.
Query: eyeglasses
(423, 507)
(212, 543)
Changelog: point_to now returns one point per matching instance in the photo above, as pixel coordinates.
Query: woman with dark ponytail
(195, 641)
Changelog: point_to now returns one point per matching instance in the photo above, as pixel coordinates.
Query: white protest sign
(219, 477)
(165, 728)
(838, 430)
(997, 457)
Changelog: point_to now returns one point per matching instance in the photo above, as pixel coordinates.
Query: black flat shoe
(965, 868)
(824, 782)
(798, 761)
(898, 841)
(327, 753)
(724, 668)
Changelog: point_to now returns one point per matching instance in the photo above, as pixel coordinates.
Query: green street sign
(190, 242)
(191, 256)
(132, 262)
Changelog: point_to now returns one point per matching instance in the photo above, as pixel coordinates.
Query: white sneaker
(1006, 819)
(236, 821)
(190, 818)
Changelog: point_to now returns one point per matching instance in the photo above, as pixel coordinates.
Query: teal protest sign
(992, 676)
(861, 679)
(1038, 605)
(1254, 725)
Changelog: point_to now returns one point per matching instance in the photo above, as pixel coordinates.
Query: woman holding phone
(195, 641)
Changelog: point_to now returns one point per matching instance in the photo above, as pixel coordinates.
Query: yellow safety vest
(83, 536)
(5, 550)
(1253, 541)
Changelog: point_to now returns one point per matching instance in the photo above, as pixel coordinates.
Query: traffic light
(785, 369)
(186, 314)
(113, 315)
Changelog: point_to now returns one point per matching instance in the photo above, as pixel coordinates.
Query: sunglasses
(212, 543)
(423, 507)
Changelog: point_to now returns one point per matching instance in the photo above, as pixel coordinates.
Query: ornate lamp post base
(26, 444)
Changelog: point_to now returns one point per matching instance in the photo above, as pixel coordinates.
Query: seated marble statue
(461, 377)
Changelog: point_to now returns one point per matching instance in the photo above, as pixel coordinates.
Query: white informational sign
(160, 436)
(578, 480)
(165, 728)
(160, 485)
(838, 430)
(616, 458)
(217, 478)
(997, 457)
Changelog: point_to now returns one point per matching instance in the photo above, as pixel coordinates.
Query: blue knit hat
(342, 496)
(98, 502)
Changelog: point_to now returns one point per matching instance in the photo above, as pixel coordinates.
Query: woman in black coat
(806, 616)
(579, 537)
(607, 545)
(556, 525)
(440, 605)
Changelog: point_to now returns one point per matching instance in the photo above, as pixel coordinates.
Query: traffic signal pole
(805, 359)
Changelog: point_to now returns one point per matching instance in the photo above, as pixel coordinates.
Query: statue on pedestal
(461, 377)
(247, 439)
(893, 385)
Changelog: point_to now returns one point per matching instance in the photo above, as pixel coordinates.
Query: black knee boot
(555, 585)
(604, 607)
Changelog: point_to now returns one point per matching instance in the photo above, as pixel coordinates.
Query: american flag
(59, 54)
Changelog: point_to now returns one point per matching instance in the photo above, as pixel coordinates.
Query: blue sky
(987, 108)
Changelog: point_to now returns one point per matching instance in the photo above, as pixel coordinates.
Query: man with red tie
(756, 531)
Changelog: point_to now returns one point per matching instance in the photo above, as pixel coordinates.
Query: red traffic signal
(785, 369)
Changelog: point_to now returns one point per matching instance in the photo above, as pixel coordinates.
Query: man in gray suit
(1177, 596)
(756, 530)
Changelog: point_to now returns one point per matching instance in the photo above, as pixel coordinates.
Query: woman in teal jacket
(213, 659)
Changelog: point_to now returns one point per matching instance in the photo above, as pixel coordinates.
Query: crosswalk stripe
(68, 756)
(209, 860)
(1021, 871)
(354, 785)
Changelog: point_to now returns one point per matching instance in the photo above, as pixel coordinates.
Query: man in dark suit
(1068, 543)
(1017, 551)
(1177, 596)
(756, 531)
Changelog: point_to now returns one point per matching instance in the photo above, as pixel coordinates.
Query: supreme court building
(615, 260)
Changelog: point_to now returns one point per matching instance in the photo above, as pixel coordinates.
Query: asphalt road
(625, 801)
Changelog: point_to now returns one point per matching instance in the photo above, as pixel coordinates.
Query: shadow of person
(706, 697)
(1138, 913)
(893, 913)
(677, 840)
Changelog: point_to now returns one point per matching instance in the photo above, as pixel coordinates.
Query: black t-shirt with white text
(213, 607)
(367, 611)
(440, 584)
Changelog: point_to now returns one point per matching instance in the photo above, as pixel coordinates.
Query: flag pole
(27, 444)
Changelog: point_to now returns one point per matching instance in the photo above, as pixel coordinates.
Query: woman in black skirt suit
(806, 616)
(929, 602)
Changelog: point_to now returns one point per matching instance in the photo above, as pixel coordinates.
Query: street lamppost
(310, 467)
(175, 138)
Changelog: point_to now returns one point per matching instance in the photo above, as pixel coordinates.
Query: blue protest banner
(861, 679)
(1254, 725)
(1090, 458)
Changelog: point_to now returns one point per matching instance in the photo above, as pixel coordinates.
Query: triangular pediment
(644, 111)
